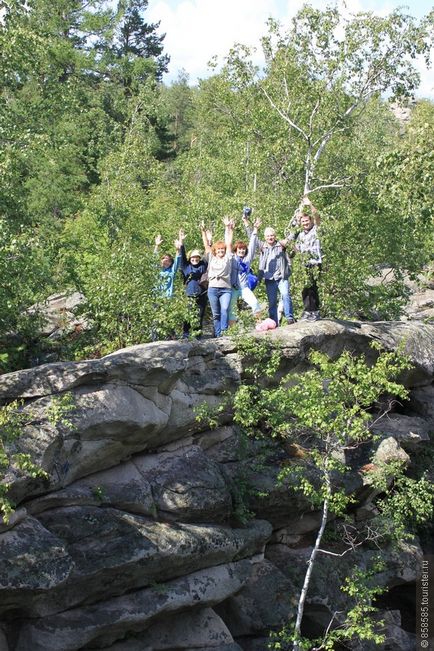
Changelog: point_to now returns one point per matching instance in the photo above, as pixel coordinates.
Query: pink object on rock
(260, 326)
(266, 324)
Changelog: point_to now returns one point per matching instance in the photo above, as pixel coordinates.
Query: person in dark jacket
(193, 267)
(307, 243)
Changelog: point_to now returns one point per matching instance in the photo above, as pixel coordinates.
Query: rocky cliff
(154, 533)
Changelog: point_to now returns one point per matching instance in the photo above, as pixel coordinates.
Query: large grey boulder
(185, 485)
(141, 497)
(155, 366)
(210, 366)
(187, 630)
(265, 602)
(409, 431)
(107, 425)
(145, 396)
(109, 620)
(100, 552)
(422, 401)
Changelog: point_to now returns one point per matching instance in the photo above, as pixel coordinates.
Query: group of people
(223, 274)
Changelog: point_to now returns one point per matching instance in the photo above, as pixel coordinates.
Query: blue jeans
(219, 300)
(273, 287)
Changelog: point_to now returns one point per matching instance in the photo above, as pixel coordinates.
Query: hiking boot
(315, 316)
(290, 321)
(306, 316)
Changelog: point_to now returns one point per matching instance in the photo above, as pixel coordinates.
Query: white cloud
(197, 30)
(426, 88)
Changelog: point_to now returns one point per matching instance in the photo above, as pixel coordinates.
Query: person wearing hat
(192, 268)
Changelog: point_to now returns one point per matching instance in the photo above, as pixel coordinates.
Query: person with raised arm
(275, 269)
(307, 243)
(244, 254)
(222, 275)
(168, 267)
(192, 268)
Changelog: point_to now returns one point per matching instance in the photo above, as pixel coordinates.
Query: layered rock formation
(154, 532)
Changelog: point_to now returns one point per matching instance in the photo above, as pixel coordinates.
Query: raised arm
(229, 232)
(247, 225)
(315, 213)
(253, 242)
(158, 240)
(178, 256)
(181, 238)
(206, 238)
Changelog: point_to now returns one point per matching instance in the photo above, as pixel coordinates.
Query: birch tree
(323, 71)
(325, 415)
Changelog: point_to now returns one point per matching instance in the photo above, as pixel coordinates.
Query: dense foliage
(98, 156)
(325, 415)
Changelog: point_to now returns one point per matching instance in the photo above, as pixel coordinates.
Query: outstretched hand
(227, 220)
(181, 235)
(206, 236)
(257, 223)
(158, 240)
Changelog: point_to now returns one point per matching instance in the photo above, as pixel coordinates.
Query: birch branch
(312, 115)
(335, 184)
(283, 115)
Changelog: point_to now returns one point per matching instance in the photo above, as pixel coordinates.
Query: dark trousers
(310, 295)
(200, 302)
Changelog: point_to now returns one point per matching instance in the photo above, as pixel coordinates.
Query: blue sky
(197, 30)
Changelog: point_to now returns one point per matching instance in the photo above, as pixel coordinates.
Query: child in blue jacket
(169, 266)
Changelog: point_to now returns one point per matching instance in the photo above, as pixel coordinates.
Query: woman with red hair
(222, 275)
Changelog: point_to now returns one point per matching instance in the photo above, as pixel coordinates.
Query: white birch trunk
(311, 563)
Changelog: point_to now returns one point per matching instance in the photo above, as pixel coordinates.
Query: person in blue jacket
(168, 267)
(244, 254)
(192, 267)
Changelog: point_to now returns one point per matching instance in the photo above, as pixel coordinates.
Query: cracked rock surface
(152, 531)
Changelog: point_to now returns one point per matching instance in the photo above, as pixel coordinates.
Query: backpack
(252, 279)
